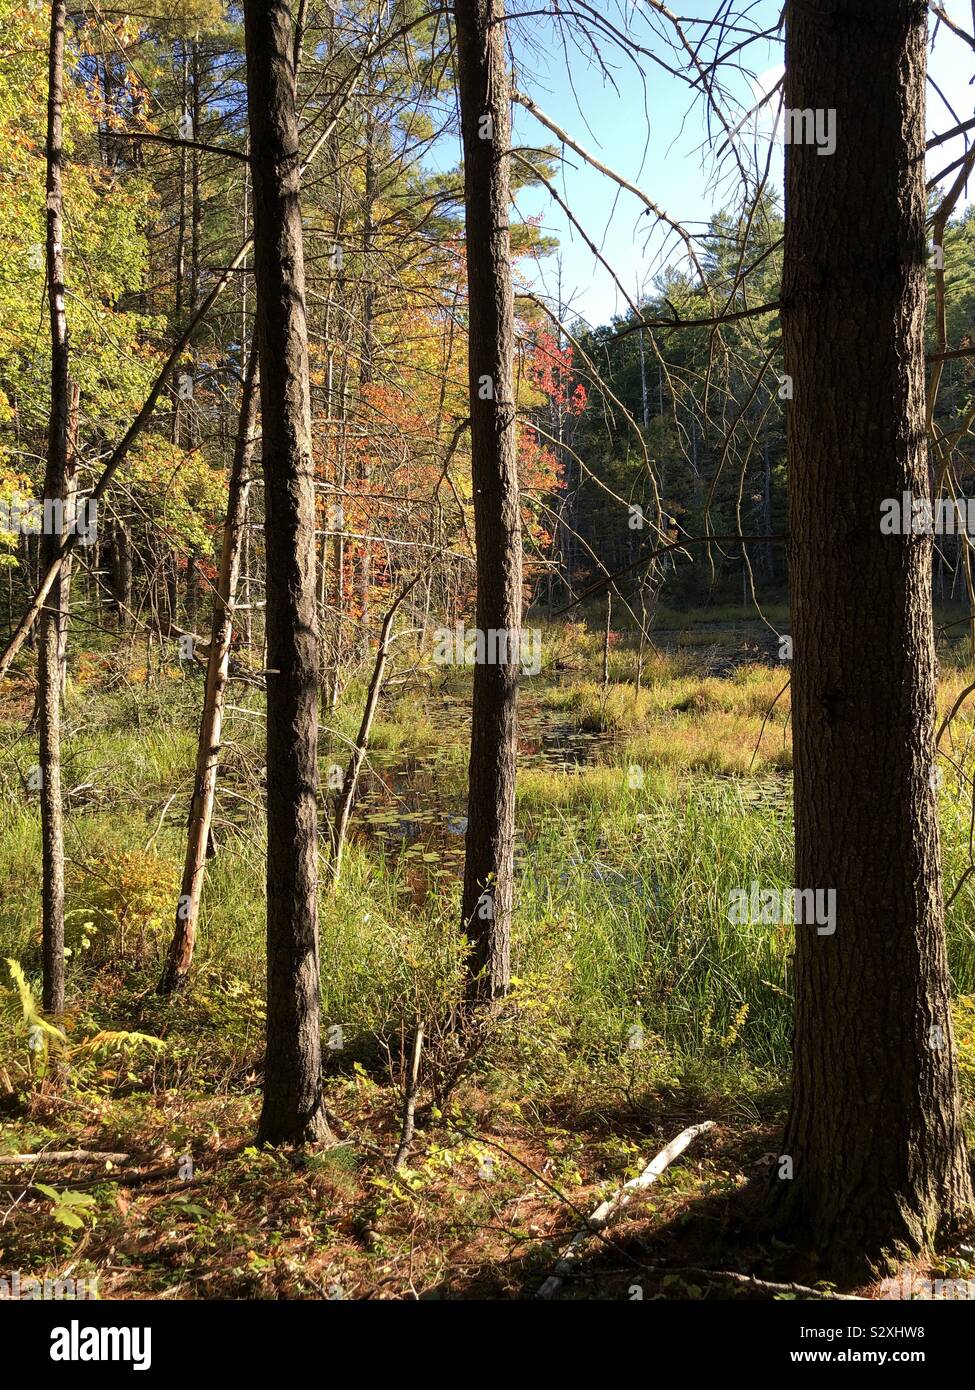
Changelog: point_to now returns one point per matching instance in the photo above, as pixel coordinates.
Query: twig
(767, 1285)
(750, 1280)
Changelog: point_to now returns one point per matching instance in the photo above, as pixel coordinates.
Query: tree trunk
(367, 357)
(181, 947)
(293, 1110)
(122, 573)
(55, 475)
(192, 587)
(489, 866)
(70, 494)
(874, 1133)
(179, 270)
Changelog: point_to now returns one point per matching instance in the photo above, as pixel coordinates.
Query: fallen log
(60, 1156)
(607, 1212)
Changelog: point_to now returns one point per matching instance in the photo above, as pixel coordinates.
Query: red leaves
(549, 370)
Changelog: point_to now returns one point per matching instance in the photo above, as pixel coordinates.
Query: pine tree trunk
(55, 475)
(293, 1111)
(485, 119)
(874, 1132)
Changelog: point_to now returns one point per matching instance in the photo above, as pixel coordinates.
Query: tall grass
(630, 911)
(621, 927)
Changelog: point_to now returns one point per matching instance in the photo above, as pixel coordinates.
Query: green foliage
(105, 250)
(32, 1036)
(69, 1209)
(963, 1016)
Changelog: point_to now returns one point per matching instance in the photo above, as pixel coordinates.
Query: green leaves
(69, 1208)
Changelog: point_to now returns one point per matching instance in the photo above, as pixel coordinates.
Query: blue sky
(666, 157)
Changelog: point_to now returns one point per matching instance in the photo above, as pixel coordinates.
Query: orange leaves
(549, 369)
(539, 469)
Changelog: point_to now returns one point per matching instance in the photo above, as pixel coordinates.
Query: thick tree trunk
(55, 475)
(489, 867)
(181, 947)
(874, 1133)
(293, 1110)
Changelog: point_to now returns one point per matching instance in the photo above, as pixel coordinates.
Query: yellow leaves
(132, 891)
(737, 1023)
(963, 1017)
(41, 1035)
(108, 1042)
(37, 1026)
(180, 487)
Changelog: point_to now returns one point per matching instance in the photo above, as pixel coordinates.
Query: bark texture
(69, 492)
(874, 1130)
(292, 1111)
(484, 88)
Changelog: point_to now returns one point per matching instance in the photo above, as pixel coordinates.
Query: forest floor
(637, 1009)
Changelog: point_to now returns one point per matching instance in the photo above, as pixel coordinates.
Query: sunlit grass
(624, 862)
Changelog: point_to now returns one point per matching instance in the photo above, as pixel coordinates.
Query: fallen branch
(130, 1177)
(609, 1211)
(767, 1285)
(60, 1156)
(749, 1280)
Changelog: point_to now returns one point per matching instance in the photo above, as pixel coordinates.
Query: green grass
(629, 911)
(625, 864)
